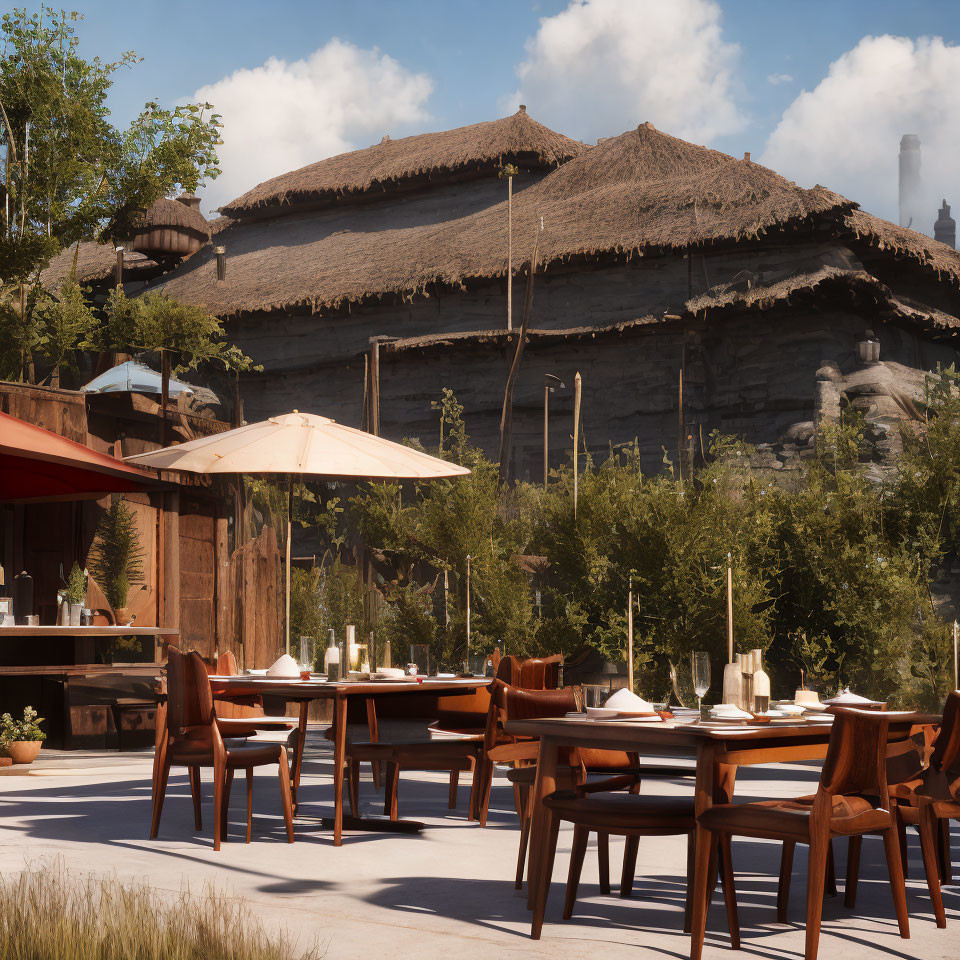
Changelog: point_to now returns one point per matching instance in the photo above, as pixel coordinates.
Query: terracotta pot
(23, 751)
(122, 615)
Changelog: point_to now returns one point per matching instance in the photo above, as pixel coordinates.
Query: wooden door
(197, 576)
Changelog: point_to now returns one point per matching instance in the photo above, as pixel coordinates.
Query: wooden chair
(191, 737)
(852, 799)
(540, 674)
(932, 802)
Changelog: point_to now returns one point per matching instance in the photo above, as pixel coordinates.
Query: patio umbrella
(38, 466)
(301, 444)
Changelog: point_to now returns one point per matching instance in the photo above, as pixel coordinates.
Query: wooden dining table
(303, 692)
(719, 749)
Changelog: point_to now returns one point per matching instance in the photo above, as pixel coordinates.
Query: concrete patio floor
(449, 891)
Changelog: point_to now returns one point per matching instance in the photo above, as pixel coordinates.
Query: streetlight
(550, 383)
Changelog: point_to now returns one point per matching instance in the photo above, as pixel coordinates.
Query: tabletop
(326, 690)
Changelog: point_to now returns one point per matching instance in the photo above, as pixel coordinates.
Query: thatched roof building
(652, 254)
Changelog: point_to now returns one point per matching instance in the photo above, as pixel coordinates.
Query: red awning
(37, 465)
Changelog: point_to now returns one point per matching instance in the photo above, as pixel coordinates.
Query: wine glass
(700, 664)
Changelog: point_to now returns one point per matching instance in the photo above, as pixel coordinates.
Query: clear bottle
(761, 684)
(331, 658)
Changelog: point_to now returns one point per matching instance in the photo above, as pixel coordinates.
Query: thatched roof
(95, 262)
(642, 193)
(517, 139)
(889, 237)
(174, 213)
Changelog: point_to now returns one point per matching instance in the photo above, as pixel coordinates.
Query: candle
(729, 608)
(956, 662)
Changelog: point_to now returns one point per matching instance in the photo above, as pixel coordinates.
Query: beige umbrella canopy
(301, 444)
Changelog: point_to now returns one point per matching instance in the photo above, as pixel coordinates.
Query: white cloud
(776, 79)
(602, 66)
(283, 115)
(845, 133)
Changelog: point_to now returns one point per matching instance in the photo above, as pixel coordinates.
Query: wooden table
(718, 751)
(303, 691)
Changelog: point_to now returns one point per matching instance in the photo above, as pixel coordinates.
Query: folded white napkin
(285, 668)
(628, 702)
(729, 711)
(845, 696)
(389, 673)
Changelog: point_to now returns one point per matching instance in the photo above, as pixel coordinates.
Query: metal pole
(546, 430)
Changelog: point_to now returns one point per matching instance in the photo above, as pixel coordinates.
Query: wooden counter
(131, 631)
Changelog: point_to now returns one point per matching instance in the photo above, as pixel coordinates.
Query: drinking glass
(700, 665)
(420, 655)
(476, 664)
(305, 659)
(594, 694)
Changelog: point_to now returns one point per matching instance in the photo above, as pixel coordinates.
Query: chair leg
(902, 838)
(517, 799)
(525, 822)
(249, 803)
(691, 870)
(454, 783)
(219, 780)
(928, 846)
(853, 871)
(286, 795)
(353, 782)
(159, 792)
(545, 874)
(485, 769)
(195, 791)
(630, 850)
(830, 885)
(472, 800)
(228, 785)
(390, 788)
(816, 881)
(603, 861)
(943, 851)
(729, 890)
(786, 872)
(577, 852)
(891, 846)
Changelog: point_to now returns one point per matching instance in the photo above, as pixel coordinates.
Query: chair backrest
(540, 674)
(508, 670)
(226, 665)
(189, 699)
(856, 761)
(508, 703)
(945, 759)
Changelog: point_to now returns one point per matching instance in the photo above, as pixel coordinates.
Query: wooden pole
(956, 662)
(680, 429)
(164, 394)
(509, 253)
(577, 390)
(374, 411)
(630, 635)
(288, 559)
(119, 270)
(237, 413)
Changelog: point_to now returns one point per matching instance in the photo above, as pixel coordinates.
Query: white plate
(257, 673)
(608, 713)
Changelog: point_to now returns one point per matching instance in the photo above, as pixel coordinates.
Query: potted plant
(22, 739)
(76, 593)
(116, 559)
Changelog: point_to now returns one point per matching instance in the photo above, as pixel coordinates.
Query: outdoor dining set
(882, 771)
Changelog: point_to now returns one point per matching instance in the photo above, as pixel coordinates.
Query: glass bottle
(331, 658)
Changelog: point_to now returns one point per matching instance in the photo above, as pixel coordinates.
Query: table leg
(373, 730)
(703, 799)
(339, 761)
(543, 829)
(298, 751)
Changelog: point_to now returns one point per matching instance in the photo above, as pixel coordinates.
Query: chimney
(189, 200)
(910, 213)
(746, 156)
(523, 108)
(945, 229)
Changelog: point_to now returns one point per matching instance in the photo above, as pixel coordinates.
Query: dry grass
(49, 914)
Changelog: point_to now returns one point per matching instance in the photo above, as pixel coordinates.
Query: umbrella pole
(289, 530)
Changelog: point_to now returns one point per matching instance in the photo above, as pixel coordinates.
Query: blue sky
(458, 63)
